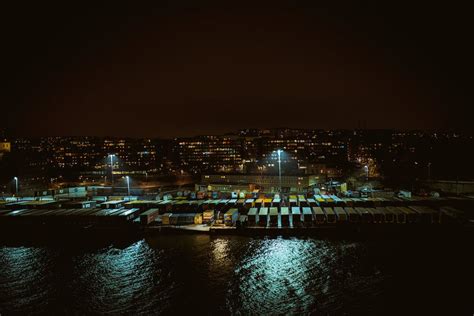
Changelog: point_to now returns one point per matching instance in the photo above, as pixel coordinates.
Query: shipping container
(327, 199)
(267, 202)
(365, 215)
(426, 214)
(263, 216)
(42, 204)
(165, 219)
(319, 215)
(80, 204)
(130, 214)
(410, 215)
(113, 204)
(319, 200)
(353, 215)
(312, 202)
(273, 216)
(341, 214)
(348, 202)
(307, 216)
(252, 216)
(149, 216)
(379, 215)
(285, 216)
(388, 216)
(296, 214)
(338, 200)
(399, 216)
(302, 201)
(249, 203)
(276, 202)
(330, 215)
(185, 219)
(142, 204)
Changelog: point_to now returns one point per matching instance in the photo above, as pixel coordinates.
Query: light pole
(366, 172)
(16, 185)
(279, 168)
(112, 169)
(128, 185)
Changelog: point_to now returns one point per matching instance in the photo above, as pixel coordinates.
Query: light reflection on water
(219, 275)
(275, 274)
(25, 277)
(292, 276)
(118, 281)
(236, 275)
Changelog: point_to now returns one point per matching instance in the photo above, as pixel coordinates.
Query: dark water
(241, 275)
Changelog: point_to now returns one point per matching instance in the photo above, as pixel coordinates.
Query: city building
(267, 183)
(204, 153)
(5, 146)
(327, 154)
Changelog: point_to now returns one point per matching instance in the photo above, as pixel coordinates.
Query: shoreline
(125, 235)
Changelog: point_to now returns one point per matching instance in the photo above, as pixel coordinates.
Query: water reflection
(195, 274)
(25, 280)
(220, 250)
(292, 276)
(123, 280)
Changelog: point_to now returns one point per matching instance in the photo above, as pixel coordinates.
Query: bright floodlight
(128, 185)
(16, 185)
(112, 169)
(279, 151)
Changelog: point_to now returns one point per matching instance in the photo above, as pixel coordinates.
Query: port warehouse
(291, 211)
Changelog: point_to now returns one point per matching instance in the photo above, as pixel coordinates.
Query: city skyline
(12, 133)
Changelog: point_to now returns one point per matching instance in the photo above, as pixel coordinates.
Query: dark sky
(176, 70)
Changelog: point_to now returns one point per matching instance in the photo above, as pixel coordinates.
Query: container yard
(263, 214)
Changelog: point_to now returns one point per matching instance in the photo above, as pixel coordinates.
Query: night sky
(179, 70)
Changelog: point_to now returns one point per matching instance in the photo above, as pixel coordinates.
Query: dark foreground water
(178, 274)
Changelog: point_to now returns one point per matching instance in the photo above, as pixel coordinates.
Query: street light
(111, 156)
(366, 172)
(128, 185)
(16, 185)
(279, 151)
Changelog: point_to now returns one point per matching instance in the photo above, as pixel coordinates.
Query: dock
(297, 214)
